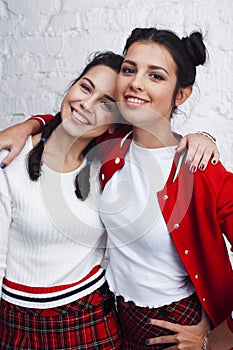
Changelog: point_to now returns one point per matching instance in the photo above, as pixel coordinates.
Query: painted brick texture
(44, 45)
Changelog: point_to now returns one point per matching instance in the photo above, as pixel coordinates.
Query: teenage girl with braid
(53, 289)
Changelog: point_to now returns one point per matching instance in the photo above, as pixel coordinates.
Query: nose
(87, 104)
(137, 83)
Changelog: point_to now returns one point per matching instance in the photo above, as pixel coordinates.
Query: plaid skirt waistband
(88, 323)
(136, 330)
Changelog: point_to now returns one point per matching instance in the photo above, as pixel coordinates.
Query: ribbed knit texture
(54, 238)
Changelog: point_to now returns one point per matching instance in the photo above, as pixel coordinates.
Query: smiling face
(89, 106)
(146, 84)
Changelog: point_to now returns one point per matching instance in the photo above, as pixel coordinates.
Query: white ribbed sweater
(48, 237)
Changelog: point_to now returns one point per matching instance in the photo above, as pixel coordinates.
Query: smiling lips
(135, 101)
(80, 117)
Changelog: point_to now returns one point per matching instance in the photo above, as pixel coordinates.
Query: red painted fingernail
(201, 167)
(193, 169)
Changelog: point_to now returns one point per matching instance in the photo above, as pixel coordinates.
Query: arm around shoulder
(13, 138)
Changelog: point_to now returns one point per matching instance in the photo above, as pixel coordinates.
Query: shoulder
(109, 146)
(216, 178)
(215, 172)
(111, 155)
(120, 131)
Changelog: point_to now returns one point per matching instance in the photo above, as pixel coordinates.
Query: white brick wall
(43, 46)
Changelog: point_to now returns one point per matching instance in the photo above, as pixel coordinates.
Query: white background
(44, 45)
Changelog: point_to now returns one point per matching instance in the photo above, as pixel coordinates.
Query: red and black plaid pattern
(88, 323)
(136, 330)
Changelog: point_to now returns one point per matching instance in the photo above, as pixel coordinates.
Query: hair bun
(196, 48)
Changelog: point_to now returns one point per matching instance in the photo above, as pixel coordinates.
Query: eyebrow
(93, 86)
(90, 82)
(150, 66)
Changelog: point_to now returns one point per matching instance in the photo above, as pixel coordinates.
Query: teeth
(80, 118)
(135, 100)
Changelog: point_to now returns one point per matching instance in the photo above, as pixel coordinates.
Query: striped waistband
(44, 297)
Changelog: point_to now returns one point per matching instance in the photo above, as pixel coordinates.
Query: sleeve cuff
(42, 119)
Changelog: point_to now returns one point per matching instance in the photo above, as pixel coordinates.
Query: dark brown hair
(187, 52)
(34, 164)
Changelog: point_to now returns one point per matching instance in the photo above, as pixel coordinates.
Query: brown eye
(107, 105)
(156, 76)
(85, 87)
(127, 70)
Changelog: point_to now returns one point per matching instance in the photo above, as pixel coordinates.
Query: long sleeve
(5, 220)
(225, 206)
(42, 119)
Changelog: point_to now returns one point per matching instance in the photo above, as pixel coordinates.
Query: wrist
(205, 342)
(213, 139)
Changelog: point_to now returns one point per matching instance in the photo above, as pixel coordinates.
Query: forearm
(22, 130)
(13, 139)
(221, 337)
(31, 126)
(41, 119)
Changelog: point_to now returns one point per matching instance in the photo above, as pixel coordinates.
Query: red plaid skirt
(88, 323)
(136, 330)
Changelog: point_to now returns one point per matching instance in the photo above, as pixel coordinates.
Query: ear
(182, 95)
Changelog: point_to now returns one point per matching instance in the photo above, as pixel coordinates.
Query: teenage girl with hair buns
(168, 258)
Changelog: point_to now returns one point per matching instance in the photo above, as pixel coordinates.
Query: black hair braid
(82, 180)
(34, 162)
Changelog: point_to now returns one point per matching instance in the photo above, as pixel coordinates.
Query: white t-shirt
(144, 265)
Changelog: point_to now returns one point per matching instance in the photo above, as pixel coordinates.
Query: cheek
(165, 97)
(65, 101)
(120, 87)
(98, 130)
(106, 118)
(63, 109)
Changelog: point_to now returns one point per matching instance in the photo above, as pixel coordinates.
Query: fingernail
(201, 167)
(148, 320)
(187, 162)
(193, 169)
(147, 342)
(214, 161)
(3, 165)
